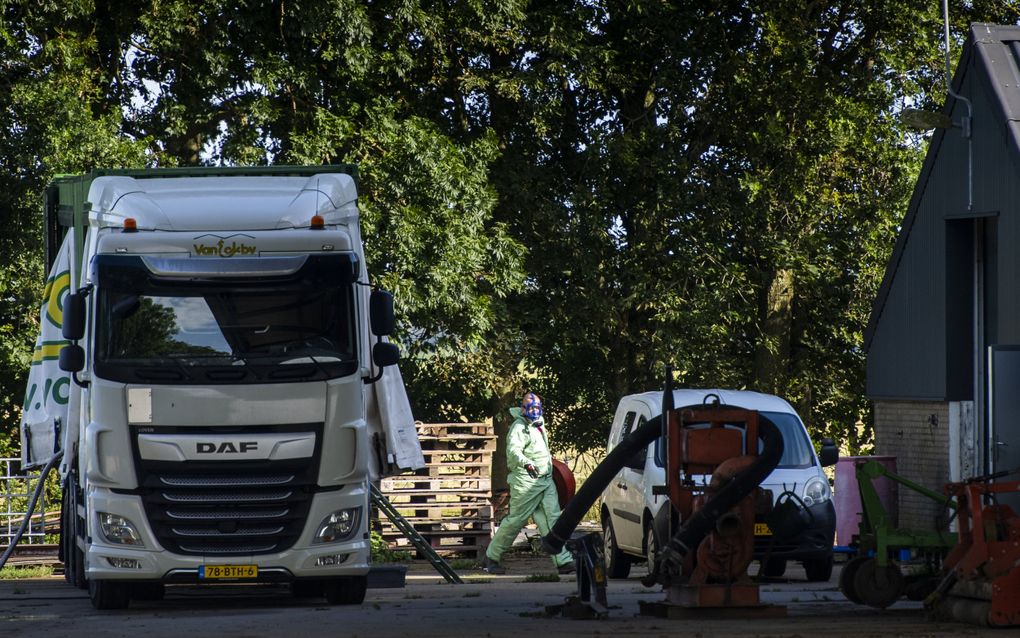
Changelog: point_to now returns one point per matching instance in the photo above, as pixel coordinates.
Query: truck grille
(229, 508)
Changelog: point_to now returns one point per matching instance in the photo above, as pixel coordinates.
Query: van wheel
(348, 590)
(617, 563)
(109, 594)
(774, 568)
(651, 547)
(818, 570)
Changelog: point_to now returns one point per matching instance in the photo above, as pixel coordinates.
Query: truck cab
(224, 347)
(631, 504)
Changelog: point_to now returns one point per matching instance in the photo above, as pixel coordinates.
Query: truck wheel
(349, 590)
(617, 563)
(818, 570)
(74, 558)
(109, 594)
(67, 540)
(774, 568)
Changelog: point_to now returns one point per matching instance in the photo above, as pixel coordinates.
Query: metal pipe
(970, 112)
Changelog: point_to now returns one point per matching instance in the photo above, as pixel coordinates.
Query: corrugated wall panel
(908, 355)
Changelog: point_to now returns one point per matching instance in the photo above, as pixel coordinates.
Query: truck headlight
(816, 491)
(338, 526)
(119, 530)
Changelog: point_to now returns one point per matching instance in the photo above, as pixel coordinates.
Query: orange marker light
(318, 223)
(130, 225)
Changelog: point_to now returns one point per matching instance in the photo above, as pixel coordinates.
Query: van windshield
(797, 450)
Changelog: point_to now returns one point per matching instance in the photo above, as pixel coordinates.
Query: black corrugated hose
(690, 535)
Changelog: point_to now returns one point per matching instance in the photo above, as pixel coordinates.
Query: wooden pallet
(449, 500)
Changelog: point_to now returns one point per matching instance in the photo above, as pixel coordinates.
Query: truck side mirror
(385, 354)
(829, 454)
(72, 358)
(380, 308)
(73, 326)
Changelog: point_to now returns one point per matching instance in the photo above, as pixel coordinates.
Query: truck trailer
(213, 373)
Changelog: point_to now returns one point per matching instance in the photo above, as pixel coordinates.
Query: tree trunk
(772, 357)
(501, 420)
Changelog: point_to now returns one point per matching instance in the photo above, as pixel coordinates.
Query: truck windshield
(153, 328)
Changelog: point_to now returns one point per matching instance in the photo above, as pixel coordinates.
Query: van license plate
(762, 529)
(222, 572)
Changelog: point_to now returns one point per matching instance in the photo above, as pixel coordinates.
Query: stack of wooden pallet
(449, 500)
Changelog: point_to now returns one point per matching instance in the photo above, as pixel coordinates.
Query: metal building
(943, 341)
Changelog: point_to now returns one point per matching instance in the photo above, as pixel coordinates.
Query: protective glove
(532, 472)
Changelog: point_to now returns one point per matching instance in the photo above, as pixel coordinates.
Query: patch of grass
(542, 578)
(32, 571)
(475, 580)
(464, 563)
(381, 552)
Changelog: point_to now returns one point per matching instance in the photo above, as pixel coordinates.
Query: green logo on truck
(224, 249)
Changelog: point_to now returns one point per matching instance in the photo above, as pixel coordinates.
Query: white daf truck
(212, 366)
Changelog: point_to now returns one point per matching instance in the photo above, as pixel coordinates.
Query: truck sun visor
(231, 267)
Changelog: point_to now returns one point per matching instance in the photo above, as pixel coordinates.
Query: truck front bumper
(150, 562)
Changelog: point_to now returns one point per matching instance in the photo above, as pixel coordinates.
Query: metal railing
(16, 487)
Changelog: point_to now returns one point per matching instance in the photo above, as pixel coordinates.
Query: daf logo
(227, 447)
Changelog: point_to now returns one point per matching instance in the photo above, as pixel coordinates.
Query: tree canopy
(565, 196)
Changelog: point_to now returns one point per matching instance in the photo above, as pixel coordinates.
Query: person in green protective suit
(532, 491)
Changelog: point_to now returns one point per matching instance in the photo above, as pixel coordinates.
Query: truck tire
(617, 563)
(348, 590)
(109, 594)
(72, 527)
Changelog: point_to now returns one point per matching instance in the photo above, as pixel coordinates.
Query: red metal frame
(988, 547)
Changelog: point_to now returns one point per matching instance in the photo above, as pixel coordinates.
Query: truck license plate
(221, 572)
(762, 529)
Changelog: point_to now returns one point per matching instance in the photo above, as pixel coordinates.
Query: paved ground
(484, 606)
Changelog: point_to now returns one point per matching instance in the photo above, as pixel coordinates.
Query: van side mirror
(72, 358)
(380, 309)
(73, 324)
(829, 453)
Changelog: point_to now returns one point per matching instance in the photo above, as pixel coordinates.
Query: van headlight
(119, 530)
(816, 491)
(338, 526)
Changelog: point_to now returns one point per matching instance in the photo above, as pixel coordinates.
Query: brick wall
(917, 434)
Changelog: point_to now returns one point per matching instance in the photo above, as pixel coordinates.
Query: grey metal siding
(923, 342)
(1009, 256)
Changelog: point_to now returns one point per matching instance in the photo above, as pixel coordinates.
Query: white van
(629, 505)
